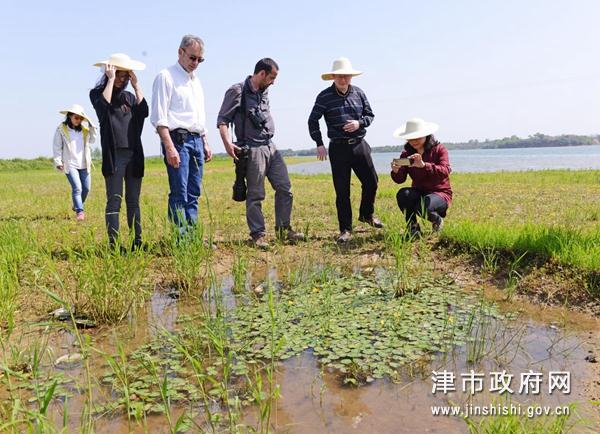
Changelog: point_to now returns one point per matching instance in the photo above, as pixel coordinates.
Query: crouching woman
(426, 161)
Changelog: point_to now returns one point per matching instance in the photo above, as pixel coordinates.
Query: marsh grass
(192, 255)
(239, 271)
(567, 246)
(105, 287)
(17, 245)
(514, 275)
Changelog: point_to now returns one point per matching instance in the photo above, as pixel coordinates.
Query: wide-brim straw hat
(415, 128)
(77, 110)
(122, 61)
(341, 66)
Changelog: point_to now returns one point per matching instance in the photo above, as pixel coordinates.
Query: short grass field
(509, 223)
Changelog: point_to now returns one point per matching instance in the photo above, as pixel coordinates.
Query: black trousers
(344, 159)
(114, 194)
(413, 202)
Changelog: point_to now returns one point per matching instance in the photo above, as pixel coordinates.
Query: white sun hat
(77, 110)
(415, 128)
(122, 61)
(341, 66)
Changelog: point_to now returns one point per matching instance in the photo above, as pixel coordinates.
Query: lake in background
(489, 160)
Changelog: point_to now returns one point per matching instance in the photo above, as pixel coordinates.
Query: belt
(184, 131)
(252, 144)
(347, 141)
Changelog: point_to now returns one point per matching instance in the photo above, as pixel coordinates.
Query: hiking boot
(288, 234)
(80, 216)
(139, 246)
(371, 221)
(260, 241)
(438, 226)
(344, 237)
(295, 236)
(413, 232)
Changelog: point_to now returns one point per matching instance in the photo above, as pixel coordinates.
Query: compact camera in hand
(401, 162)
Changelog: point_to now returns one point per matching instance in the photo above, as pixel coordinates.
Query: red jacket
(434, 177)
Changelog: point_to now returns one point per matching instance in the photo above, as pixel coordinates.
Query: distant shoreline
(513, 142)
(535, 141)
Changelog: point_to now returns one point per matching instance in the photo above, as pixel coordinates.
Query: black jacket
(122, 101)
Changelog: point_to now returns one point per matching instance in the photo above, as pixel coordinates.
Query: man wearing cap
(180, 120)
(246, 106)
(347, 114)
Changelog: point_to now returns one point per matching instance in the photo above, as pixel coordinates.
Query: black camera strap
(243, 110)
(243, 113)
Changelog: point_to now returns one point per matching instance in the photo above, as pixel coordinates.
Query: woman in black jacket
(121, 115)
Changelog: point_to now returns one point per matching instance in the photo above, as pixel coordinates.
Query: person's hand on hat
(416, 161)
(60, 167)
(321, 153)
(351, 126)
(110, 71)
(133, 78)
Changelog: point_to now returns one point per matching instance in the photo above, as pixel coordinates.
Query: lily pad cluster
(153, 375)
(354, 325)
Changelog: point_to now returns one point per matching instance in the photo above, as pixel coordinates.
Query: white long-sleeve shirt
(178, 100)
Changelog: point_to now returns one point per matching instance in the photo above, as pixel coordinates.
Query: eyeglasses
(199, 59)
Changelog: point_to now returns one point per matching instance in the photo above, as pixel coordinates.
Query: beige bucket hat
(415, 128)
(78, 110)
(122, 61)
(341, 66)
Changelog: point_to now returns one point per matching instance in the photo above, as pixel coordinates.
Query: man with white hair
(179, 117)
(347, 114)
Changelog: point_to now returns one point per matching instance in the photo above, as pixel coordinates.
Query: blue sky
(481, 69)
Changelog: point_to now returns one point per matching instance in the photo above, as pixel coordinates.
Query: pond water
(313, 398)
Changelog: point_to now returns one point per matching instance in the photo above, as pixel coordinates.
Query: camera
(401, 162)
(257, 117)
(241, 166)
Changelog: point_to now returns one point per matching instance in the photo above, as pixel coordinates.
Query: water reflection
(162, 314)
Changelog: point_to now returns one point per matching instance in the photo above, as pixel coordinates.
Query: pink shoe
(80, 216)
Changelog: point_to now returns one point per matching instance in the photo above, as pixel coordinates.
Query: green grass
(554, 214)
(550, 216)
(514, 424)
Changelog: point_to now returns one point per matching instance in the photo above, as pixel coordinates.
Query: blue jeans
(81, 182)
(185, 181)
